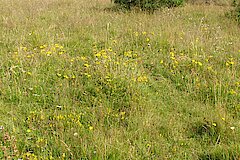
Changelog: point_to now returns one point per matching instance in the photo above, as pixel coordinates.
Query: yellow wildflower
(90, 128)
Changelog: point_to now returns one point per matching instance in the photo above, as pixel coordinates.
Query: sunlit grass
(79, 81)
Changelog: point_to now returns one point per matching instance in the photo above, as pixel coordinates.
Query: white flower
(232, 128)
(75, 134)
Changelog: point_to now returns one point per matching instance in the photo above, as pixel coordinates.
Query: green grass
(81, 81)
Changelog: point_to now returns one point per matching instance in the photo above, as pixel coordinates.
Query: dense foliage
(235, 13)
(148, 4)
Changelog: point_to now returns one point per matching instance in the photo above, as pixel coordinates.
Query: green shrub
(235, 3)
(148, 4)
(235, 14)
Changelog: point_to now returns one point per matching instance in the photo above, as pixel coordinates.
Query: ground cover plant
(78, 81)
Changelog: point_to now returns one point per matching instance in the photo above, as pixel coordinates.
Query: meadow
(83, 80)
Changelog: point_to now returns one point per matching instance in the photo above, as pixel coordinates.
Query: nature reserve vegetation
(120, 79)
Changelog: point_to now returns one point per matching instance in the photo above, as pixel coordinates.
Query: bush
(235, 14)
(148, 4)
(235, 3)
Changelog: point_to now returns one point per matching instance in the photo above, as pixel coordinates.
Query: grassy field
(80, 80)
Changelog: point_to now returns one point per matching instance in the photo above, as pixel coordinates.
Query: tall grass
(78, 81)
